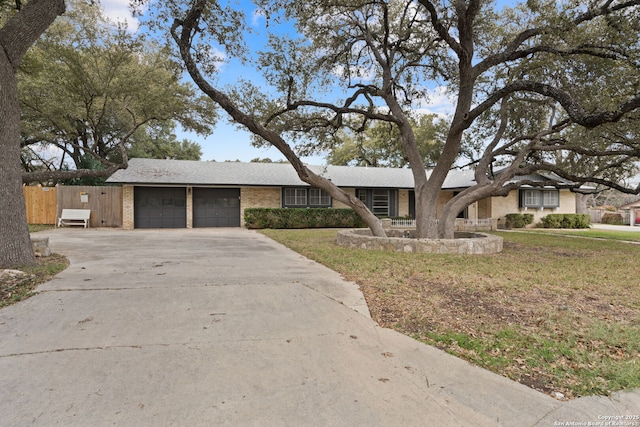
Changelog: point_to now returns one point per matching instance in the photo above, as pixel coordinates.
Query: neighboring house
(634, 212)
(182, 193)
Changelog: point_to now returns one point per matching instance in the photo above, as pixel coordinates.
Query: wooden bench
(74, 217)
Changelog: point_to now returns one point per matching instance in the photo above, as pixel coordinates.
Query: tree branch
(24, 28)
(511, 51)
(183, 32)
(58, 175)
(575, 110)
(442, 31)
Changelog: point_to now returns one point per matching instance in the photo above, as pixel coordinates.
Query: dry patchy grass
(16, 288)
(556, 313)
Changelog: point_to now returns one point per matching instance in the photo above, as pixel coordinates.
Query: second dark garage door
(216, 207)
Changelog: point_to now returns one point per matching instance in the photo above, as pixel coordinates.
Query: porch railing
(461, 224)
(403, 223)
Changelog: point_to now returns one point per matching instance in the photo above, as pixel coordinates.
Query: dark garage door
(160, 207)
(216, 207)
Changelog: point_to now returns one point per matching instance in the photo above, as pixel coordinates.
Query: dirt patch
(427, 309)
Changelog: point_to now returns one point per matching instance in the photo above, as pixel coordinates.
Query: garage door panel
(216, 207)
(158, 207)
(154, 223)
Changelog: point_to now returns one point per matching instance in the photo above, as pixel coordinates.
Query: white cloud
(258, 16)
(440, 102)
(118, 11)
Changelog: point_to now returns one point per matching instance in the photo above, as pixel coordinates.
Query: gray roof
(631, 205)
(542, 176)
(188, 172)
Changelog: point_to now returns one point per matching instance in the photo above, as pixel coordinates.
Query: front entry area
(216, 207)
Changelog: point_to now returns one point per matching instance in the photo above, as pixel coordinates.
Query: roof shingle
(188, 172)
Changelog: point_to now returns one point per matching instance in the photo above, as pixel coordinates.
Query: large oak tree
(523, 81)
(93, 92)
(17, 35)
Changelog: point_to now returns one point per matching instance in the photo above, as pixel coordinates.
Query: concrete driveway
(216, 327)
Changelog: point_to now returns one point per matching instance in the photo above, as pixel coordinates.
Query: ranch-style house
(188, 194)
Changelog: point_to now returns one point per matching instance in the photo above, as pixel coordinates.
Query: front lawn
(556, 313)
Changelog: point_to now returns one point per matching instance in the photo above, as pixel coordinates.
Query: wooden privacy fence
(41, 204)
(44, 205)
(105, 203)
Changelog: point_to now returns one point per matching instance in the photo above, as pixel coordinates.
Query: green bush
(611, 218)
(518, 220)
(566, 221)
(301, 218)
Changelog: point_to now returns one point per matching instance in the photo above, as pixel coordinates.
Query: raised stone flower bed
(40, 246)
(402, 241)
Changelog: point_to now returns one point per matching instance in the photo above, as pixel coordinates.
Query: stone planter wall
(40, 246)
(402, 241)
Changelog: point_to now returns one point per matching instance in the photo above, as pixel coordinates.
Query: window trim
(539, 198)
(322, 196)
(298, 191)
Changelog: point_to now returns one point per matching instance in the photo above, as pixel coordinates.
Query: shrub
(612, 219)
(518, 220)
(566, 221)
(301, 218)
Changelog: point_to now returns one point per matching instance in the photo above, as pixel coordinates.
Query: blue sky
(228, 142)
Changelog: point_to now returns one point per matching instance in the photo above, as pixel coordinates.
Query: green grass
(34, 228)
(553, 312)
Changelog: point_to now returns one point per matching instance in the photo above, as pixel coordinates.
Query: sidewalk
(226, 327)
(616, 227)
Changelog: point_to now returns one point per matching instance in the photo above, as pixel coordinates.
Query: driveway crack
(191, 344)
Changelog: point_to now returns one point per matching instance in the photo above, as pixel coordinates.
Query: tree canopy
(379, 144)
(528, 83)
(90, 88)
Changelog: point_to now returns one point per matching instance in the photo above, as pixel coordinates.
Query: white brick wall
(270, 197)
(127, 207)
(501, 206)
(259, 197)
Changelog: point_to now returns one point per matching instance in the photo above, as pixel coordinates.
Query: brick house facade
(190, 194)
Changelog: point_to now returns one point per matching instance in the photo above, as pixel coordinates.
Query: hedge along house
(190, 194)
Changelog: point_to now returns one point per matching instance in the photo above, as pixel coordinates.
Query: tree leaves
(90, 88)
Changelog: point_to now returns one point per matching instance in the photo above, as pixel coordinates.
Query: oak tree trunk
(15, 243)
(16, 36)
(182, 32)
